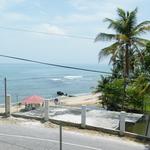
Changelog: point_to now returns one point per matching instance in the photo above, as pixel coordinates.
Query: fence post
(8, 106)
(83, 116)
(122, 122)
(60, 136)
(148, 133)
(148, 126)
(46, 110)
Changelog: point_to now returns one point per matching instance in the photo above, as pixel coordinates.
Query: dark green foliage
(147, 58)
(114, 95)
(128, 88)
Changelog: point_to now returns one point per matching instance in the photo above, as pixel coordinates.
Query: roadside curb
(88, 127)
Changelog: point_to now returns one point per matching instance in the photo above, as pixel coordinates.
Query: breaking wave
(56, 79)
(72, 77)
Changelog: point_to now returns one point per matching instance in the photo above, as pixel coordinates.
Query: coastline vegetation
(128, 88)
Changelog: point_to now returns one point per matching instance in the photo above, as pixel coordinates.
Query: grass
(147, 104)
(138, 128)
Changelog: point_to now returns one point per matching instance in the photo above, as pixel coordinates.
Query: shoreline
(88, 99)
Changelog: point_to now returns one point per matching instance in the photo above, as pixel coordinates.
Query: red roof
(33, 100)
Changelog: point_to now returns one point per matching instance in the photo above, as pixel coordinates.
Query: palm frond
(142, 24)
(110, 50)
(105, 37)
(140, 41)
(126, 35)
(139, 52)
(122, 37)
(110, 37)
(131, 21)
(146, 89)
(142, 30)
(108, 20)
(116, 25)
(121, 13)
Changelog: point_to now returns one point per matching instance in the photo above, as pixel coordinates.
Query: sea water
(34, 79)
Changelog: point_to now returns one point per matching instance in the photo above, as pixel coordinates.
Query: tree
(127, 38)
(146, 62)
(111, 92)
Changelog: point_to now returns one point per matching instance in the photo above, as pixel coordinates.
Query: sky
(71, 17)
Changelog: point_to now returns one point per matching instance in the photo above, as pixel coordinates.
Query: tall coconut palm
(126, 39)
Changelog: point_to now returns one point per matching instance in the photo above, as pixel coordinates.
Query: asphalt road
(19, 137)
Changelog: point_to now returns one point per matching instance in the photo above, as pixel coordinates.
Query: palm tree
(127, 38)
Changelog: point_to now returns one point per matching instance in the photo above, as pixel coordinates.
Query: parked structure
(33, 102)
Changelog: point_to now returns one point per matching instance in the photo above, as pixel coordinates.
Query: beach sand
(14, 108)
(88, 99)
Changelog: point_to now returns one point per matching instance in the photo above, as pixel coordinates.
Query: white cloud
(98, 4)
(104, 8)
(4, 4)
(92, 12)
(82, 17)
(78, 4)
(7, 15)
(14, 16)
(77, 18)
(49, 28)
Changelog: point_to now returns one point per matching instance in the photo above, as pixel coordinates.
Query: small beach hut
(33, 102)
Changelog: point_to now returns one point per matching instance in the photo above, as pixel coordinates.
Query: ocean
(34, 79)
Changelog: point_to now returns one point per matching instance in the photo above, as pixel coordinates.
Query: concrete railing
(46, 110)
(8, 106)
(83, 122)
(83, 116)
(122, 123)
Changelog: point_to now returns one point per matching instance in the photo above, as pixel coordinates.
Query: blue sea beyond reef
(34, 79)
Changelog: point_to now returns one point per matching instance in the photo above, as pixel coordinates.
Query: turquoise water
(32, 79)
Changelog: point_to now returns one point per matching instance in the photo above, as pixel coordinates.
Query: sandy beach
(88, 99)
(14, 108)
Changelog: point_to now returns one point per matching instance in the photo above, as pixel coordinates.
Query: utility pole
(5, 93)
(60, 138)
(17, 103)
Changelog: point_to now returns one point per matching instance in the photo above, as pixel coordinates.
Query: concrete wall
(104, 130)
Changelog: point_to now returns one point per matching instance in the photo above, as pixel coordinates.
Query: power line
(46, 33)
(55, 65)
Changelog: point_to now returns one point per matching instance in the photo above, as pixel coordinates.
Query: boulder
(60, 93)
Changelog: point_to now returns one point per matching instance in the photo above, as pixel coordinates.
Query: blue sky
(73, 17)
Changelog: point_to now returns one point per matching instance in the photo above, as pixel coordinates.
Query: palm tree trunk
(125, 73)
(127, 61)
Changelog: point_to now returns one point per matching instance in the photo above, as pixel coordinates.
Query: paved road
(18, 137)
